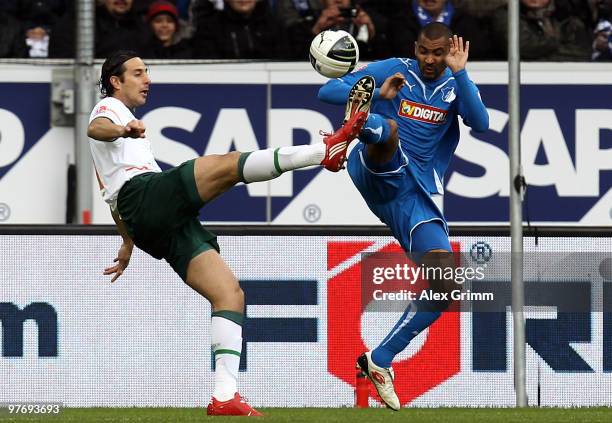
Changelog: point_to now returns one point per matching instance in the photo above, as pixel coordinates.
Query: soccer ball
(334, 53)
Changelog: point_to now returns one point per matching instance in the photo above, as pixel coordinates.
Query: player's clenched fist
(134, 129)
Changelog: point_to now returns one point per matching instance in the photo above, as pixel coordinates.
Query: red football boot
(355, 116)
(234, 407)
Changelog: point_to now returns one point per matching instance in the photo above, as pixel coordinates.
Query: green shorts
(160, 211)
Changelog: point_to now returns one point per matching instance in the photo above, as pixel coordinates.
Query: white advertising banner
(70, 336)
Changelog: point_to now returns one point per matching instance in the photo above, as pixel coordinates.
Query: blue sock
(418, 316)
(376, 130)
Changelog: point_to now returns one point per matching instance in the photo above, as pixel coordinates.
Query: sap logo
(12, 137)
(541, 130)
(13, 318)
(233, 129)
(277, 329)
(550, 338)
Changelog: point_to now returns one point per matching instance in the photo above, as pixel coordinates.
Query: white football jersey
(119, 161)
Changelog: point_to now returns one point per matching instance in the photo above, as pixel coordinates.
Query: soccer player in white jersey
(158, 211)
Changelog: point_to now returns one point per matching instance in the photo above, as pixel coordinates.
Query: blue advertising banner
(566, 133)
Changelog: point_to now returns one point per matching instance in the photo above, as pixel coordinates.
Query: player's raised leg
(215, 174)
(208, 274)
(380, 134)
(355, 116)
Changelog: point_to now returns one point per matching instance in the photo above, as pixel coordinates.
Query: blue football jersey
(426, 112)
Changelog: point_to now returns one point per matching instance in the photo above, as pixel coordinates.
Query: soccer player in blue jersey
(398, 166)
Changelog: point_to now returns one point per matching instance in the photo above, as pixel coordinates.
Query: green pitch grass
(331, 415)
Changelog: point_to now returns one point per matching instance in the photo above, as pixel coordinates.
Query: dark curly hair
(113, 66)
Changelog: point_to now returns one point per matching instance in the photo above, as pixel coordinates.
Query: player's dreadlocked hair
(113, 66)
(435, 30)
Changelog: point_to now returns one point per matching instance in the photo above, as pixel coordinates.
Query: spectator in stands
(412, 15)
(38, 17)
(141, 7)
(602, 35)
(545, 35)
(486, 8)
(12, 38)
(305, 19)
(163, 21)
(244, 29)
(117, 27)
(183, 7)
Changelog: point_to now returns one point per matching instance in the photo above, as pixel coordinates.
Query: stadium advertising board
(70, 336)
(566, 134)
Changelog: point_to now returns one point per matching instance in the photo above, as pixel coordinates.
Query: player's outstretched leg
(355, 116)
(382, 378)
(215, 174)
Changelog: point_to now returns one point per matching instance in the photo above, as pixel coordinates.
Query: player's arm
(336, 91)
(125, 251)
(104, 129)
(121, 228)
(471, 107)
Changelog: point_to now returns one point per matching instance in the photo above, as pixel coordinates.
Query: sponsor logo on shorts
(422, 112)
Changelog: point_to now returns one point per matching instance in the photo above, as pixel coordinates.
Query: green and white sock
(226, 341)
(263, 165)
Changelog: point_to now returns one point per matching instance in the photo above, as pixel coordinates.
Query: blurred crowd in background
(550, 30)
